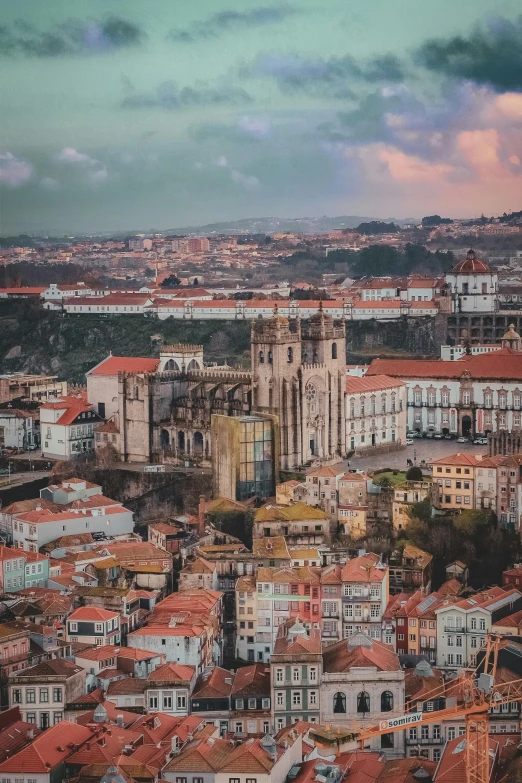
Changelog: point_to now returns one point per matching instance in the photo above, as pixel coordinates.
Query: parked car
(480, 442)
(412, 434)
(409, 441)
(438, 436)
(462, 439)
(430, 434)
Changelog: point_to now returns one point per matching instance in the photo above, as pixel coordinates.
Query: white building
(473, 286)
(32, 529)
(180, 642)
(169, 688)
(18, 429)
(67, 428)
(375, 412)
(463, 625)
(475, 394)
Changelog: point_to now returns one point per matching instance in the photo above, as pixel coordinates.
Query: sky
(134, 115)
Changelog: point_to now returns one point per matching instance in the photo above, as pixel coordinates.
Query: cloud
(70, 38)
(480, 147)
(49, 183)
(14, 172)
(510, 105)
(259, 127)
(169, 96)
(225, 21)
(491, 55)
(323, 76)
(98, 175)
(409, 168)
(222, 161)
(246, 181)
(72, 155)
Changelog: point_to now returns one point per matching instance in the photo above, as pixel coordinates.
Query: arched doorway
(466, 426)
(198, 444)
(171, 365)
(181, 442)
(164, 439)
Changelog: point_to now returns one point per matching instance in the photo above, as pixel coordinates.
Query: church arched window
(269, 357)
(290, 354)
(339, 702)
(386, 701)
(136, 393)
(334, 350)
(261, 357)
(363, 702)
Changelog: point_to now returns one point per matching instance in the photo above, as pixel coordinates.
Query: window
(386, 701)
(296, 698)
(153, 701)
(73, 627)
(387, 740)
(30, 696)
(279, 675)
(240, 704)
(363, 702)
(339, 703)
(280, 699)
(44, 694)
(167, 701)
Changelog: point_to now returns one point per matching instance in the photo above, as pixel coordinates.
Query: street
(422, 449)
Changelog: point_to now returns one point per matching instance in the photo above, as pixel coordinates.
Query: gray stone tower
(299, 375)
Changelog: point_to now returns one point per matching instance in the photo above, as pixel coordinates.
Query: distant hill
(271, 225)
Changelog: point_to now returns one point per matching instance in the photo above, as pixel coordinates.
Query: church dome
(471, 265)
(511, 334)
(320, 317)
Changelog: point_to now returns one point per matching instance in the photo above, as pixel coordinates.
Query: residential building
(299, 523)
(169, 688)
(322, 487)
(211, 697)
(215, 760)
(253, 641)
(282, 594)
(332, 604)
(91, 625)
(463, 625)
(509, 492)
(295, 674)
(183, 639)
(42, 691)
(250, 701)
(198, 573)
(466, 481)
(19, 429)
(67, 427)
(271, 552)
(376, 409)
(168, 535)
(32, 530)
(472, 286)
(408, 493)
(410, 569)
(362, 683)
(365, 583)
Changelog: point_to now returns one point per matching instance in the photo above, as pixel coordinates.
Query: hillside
(35, 340)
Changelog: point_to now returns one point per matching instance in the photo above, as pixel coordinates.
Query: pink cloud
(480, 148)
(510, 105)
(409, 168)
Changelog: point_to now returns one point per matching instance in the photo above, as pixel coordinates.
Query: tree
(377, 227)
(148, 272)
(414, 474)
(171, 282)
(435, 220)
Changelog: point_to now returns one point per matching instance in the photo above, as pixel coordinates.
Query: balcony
(454, 629)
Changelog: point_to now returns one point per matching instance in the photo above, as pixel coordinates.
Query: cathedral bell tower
(276, 360)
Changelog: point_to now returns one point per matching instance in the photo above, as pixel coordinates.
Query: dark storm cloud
(223, 21)
(70, 38)
(169, 96)
(490, 55)
(323, 76)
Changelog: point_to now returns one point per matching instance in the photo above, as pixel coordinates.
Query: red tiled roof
(363, 569)
(112, 365)
(505, 364)
(340, 657)
(172, 672)
(48, 750)
(355, 385)
(92, 613)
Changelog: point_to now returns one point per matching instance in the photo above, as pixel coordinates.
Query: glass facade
(256, 460)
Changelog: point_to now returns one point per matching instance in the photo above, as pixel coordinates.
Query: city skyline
(116, 115)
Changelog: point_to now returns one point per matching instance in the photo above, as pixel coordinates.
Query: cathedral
(298, 372)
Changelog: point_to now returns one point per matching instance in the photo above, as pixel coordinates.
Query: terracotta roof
(363, 569)
(340, 657)
(215, 755)
(105, 746)
(326, 471)
(172, 672)
(214, 684)
(92, 613)
(56, 667)
(309, 575)
(511, 621)
(297, 644)
(471, 265)
(112, 365)
(505, 364)
(48, 750)
(199, 566)
(16, 736)
(109, 426)
(355, 385)
(127, 686)
(252, 680)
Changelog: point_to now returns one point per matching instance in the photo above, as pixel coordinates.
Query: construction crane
(477, 693)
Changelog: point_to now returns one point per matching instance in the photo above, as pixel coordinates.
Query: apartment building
(169, 688)
(408, 493)
(365, 594)
(252, 642)
(322, 487)
(332, 604)
(463, 625)
(466, 481)
(295, 673)
(299, 523)
(509, 492)
(42, 692)
(67, 427)
(410, 569)
(92, 625)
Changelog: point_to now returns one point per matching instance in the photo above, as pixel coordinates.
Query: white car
(410, 442)
(462, 439)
